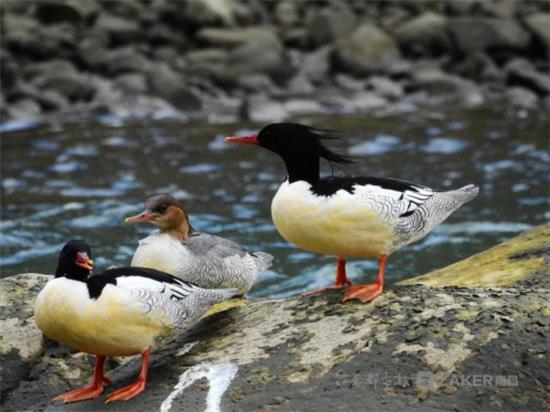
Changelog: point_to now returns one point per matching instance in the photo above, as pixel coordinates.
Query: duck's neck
(180, 229)
(302, 167)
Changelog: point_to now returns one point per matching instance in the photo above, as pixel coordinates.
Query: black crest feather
(325, 152)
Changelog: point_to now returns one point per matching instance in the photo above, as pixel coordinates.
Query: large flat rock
(415, 348)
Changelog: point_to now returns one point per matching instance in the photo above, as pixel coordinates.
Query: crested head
(167, 213)
(288, 138)
(75, 260)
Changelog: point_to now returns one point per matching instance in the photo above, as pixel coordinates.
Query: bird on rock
(358, 216)
(119, 312)
(206, 260)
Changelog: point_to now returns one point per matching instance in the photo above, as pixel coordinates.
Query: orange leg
(340, 282)
(133, 390)
(89, 392)
(366, 293)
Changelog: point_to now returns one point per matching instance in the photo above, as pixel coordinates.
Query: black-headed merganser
(208, 261)
(119, 312)
(360, 216)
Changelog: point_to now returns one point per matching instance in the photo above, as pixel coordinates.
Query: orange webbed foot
(81, 394)
(128, 392)
(364, 293)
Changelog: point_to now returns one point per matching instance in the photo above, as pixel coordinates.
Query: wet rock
(366, 50)
(231, 38)
(538, 24)
(123, 60)
(424, 35)
(194, 14)
(519, 72)
(520, 258)
(51, 100)
(472, 34)
(119, 30)
(24, 109)
(522, 98)
(331, 23)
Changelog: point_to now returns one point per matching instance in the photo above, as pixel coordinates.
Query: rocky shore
(227, 60)
(477, 347)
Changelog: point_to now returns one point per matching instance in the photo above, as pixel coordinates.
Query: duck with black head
(206, 260)
(355, 216)
(118, 312)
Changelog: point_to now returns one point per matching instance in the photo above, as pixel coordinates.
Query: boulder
(193, 14)
(287, 13)
(132, 83)
(414, 348)
(123, 60)
(424, 35)
(539, 25)
(366, 50)
(331, 23)
(519, 72)
(170, 86)
(472, 34)
(234, 37)
(522, 98)
(74, 86)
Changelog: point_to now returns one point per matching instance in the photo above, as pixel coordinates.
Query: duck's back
(206, 260)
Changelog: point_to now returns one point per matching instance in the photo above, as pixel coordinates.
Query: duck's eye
(161, 208)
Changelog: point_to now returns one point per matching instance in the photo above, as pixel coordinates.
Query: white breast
(341, 225)
(114, 324)
(162, 252)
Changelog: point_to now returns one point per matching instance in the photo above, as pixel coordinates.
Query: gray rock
(170, 86)
(51, 100)
(262, 109)
(57, 66)
(519, 72)
(472, 34)
(366, 50)
(300, 85)
(256, 82)
(500, 8)
(74, 86)
(446, 88)
(349, 83)
(234, 37)
(123, 60)
(522, 98)
(287, 13)
(9, 70)
(539, 25)
(315, 66)
(194, 14)
(386, 87)
(132, 83)
(424, 35)
(22, 341)
(119, 31)
(24, 36)
(331, 23)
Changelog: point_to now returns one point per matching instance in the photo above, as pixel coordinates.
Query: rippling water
(79, 180)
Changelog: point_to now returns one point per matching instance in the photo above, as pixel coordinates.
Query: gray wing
(203, 244)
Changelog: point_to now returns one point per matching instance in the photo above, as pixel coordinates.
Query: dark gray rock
(75, 12)
(330, 23)
(539, 25)
(123, 60)
(234, 37)
(519, 72)
(500, 8)
(424, 35)
(194, 14)
(58, 66)
(118, 30)
(8, 70)
(349, 83)
(386, 87)
(51, 100)
(366, 50)
(472, 34)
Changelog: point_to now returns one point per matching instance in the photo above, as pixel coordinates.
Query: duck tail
(219, 295)
(464, 194)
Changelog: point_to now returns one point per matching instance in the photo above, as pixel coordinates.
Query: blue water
(74, 180)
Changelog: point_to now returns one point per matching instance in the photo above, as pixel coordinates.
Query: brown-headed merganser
(208, 261)
(359, 216)
(119, 312)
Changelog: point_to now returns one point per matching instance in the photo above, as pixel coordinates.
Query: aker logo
(425, 380)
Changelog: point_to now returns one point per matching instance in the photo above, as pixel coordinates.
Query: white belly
(110, 325)
(340, 225)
